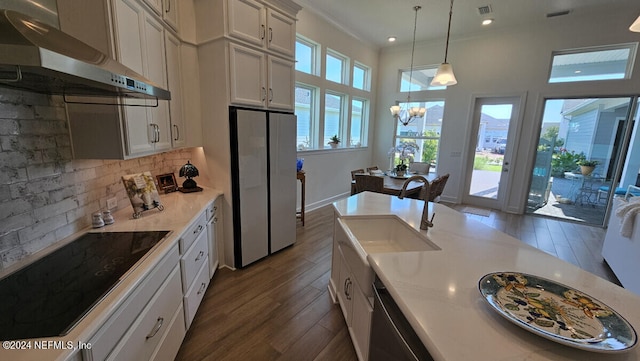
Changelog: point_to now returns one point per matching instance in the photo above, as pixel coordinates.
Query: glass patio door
(596, 129)
(488, 162)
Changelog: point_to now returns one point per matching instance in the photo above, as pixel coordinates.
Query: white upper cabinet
(174, 78)
(281, 32)
(167, 9)
(258, 24)
(281, 83)
(140, 46)
(246, 21)
(259, 79)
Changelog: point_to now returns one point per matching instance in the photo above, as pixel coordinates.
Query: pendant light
(636, 25)
(444, 74)
(405, 117)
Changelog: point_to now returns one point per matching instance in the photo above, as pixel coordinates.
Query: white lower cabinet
(161, 286)
(142, 339)
(194, 295)
(356, 307)
(194, 265)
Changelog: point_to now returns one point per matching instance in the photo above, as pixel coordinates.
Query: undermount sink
(387, 234)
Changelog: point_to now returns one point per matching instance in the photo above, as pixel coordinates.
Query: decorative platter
(557, 312)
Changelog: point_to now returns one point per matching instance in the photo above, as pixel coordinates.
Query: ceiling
(374, 21)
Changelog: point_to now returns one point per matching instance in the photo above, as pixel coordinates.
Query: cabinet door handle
(199, 257)
(153, 133)
(168, 7)
(264, 93)
(177, 132)
(203, 287)
(270, 94)
(156, 133)
(270, 34)
(156, 328)
(264, 32)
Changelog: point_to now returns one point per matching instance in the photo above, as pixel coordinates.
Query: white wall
(328, 176)
(502, 62)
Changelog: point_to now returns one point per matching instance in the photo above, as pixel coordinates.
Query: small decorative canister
(97, 221)
(107, 217)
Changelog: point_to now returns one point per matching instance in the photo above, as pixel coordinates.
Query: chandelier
(444, 74)
(406, 117)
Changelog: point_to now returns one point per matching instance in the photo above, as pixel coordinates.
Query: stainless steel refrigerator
(263, 181)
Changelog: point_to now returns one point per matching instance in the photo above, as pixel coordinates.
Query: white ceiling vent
(484, 10)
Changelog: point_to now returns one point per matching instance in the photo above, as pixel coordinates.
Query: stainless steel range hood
(37, 57)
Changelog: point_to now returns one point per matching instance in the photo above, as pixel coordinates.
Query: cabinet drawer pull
(203, 287)
(156, 328)
(197, 230)
(215, 219)
(199, 257)
(347, 284)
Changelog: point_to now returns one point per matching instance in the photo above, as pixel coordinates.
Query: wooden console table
(301, 177)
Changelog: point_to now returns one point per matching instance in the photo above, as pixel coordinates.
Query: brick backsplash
(45, 195)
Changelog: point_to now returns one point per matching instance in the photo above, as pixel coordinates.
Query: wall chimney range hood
(37, 57)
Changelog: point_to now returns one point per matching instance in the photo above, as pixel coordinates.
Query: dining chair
(369, 169)
(419, 168)
(365, 182)
(437, 187)
(353, 179)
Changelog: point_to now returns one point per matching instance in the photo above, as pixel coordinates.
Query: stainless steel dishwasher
(392, 337)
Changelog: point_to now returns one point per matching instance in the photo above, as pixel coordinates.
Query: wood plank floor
(280, 309)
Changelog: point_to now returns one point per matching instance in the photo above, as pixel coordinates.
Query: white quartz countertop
(180, 210)
(438, 290)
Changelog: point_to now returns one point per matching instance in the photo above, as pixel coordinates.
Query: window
(598, 63)
(420, 79)
(358, 131)
(305, 112)
(306, 51)
(420, 139)
(345, 110)
(335, 67)
(361, 77)
(333, 115)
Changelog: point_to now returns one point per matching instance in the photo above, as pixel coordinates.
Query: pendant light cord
(446, 49)
(413, 48)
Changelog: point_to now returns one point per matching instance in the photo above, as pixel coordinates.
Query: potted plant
(401, 169)
(334, 141)
(587, 166)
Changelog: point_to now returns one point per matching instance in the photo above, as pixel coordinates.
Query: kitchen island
(437, 290)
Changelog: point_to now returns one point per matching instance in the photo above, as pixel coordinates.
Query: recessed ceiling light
(487, 21)
(391, 39)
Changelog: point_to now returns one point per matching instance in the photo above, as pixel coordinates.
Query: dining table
(393, 183)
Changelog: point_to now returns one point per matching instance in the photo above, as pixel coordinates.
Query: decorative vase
(586, 169)
(400, 173)
(333, 145)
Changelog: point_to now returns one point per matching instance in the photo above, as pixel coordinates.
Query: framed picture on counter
(167, 183)
(142, 192)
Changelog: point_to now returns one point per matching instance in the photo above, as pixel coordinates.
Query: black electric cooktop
(50, 296)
